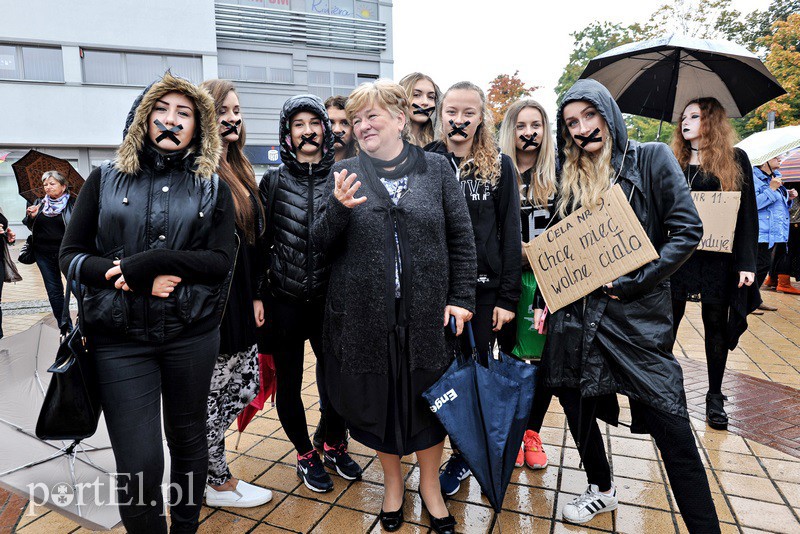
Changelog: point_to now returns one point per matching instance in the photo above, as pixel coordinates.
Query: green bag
(530, 343)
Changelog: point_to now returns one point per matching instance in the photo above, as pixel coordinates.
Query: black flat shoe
(391, 521)
(440, 525)
(715, 411)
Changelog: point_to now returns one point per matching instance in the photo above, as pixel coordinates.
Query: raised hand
(346, 187)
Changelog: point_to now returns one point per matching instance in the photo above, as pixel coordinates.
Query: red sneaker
(535, 456)
(520, 456)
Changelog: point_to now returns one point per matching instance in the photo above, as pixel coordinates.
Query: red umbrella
(269, 385)
(790, 167)
(30, 168)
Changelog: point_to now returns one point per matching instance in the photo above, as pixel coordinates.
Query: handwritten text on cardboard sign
(718, 210)
(589, 248)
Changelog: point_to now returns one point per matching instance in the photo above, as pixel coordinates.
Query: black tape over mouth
(529, 141)
(308, 139)
(458, 130)
(419, 110)
(168, 133)
(338, 138)
(232, 127)
(593, 137)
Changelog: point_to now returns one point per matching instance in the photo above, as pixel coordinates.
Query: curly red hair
(717, 138)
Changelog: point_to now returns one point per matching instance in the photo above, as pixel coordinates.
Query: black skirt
(410, 426)
(705, 277)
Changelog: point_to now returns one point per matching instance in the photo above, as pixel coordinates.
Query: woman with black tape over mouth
(618, 339)
(488, 181)
(344, 142)
(235, 381)
(424, 95)
(722, 282)
(526, 137)
(296, 283)
(158, 226)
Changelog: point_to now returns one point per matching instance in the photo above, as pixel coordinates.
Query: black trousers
(674, 439)
(542, 396)
(483, 328)
(715, 328)
(294, 323)
(772, 261)
(135, 380)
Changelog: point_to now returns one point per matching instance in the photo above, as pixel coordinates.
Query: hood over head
(206, 149)
(596, 93)
(312, 104)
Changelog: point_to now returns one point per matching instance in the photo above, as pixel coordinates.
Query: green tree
(590, 42)
(783, 61)
(704, 19)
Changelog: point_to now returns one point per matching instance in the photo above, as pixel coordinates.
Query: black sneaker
(337, 458)
(312, 473)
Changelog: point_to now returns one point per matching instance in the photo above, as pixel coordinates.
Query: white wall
(173, 26)
(62, 115)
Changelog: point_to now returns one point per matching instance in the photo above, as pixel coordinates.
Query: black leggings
(542, 396)
(296, 322)
(715, 327)
(674, 439)
(135, 380)
(772, 261)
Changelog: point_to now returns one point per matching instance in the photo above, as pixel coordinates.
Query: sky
(475, 40)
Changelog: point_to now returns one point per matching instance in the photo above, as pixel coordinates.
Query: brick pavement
(753, 470)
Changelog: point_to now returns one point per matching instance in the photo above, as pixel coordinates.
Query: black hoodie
(295, 269)
(494, 210)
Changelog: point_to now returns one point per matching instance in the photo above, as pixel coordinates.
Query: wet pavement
(753, 469)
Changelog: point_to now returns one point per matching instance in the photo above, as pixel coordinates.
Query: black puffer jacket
(604, 346)
(294, 268)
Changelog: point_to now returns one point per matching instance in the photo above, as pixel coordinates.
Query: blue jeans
(51, 274)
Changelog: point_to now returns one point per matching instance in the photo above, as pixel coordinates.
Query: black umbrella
(657, 77)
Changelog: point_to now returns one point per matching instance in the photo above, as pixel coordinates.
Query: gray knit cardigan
(442, 262)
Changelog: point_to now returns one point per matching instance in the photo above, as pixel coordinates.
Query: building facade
(69, 72)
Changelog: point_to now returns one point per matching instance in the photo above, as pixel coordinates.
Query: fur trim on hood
(206, 150)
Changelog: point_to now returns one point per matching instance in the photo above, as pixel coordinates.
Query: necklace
(690, 180)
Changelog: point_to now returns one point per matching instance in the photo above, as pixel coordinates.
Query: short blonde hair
(383, 93)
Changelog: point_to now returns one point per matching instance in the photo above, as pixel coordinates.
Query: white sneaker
(244, 496)
(592, 502)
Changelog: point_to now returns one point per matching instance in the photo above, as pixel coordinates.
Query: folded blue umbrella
(485, 412)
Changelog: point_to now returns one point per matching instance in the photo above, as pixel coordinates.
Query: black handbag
(71, 407)
(26, 254)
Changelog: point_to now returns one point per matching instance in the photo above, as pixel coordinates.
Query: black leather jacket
(295, 268)
(604, 346)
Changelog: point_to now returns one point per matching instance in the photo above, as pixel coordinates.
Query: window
(130, 68)
(34, 63)
(329, 76)
(247, 66)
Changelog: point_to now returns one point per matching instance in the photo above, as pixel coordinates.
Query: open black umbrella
(30, 168)
(657, 77)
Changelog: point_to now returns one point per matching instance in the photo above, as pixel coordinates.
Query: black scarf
(401, 166)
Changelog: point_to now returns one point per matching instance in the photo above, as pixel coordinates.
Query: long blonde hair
(717, 138)
(483, 159)
(543, 172)
(585, 177)
(429, 130)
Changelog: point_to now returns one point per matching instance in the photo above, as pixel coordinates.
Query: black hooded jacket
(294, 267)
(604, 346)
(495, 214)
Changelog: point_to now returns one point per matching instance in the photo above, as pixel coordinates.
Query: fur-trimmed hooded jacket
(159, 213)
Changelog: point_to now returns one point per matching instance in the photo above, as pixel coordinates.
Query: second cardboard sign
(718, 211)
(588, 249)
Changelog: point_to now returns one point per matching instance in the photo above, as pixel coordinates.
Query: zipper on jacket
(310, 218)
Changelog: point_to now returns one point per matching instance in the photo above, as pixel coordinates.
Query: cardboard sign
(718, 211)
(588, 249)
